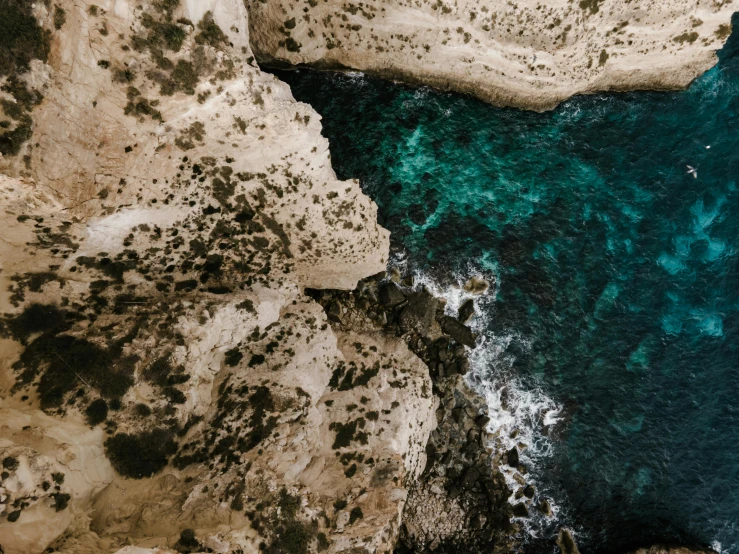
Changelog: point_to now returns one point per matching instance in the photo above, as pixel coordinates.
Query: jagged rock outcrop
(461, 501)
(526, 54)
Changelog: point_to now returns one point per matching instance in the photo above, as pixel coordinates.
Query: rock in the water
(476, 285)
(418, 315)
(566, 542)
(520, 510)
(466, 311)
(529, 491)
(391, 295)
(458, 331)
(545, 507)
(513, 457)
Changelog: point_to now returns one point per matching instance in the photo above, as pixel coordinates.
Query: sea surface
(615, 310)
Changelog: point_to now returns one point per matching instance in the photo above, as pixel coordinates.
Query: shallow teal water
(618, 274)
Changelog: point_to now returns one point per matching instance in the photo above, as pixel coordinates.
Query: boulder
(566, 542)
(513, 457)
(466, 311)
(545, 507)
(476, 285)
(418, 315)
(391, 295)
(520, 510)
(458, 331)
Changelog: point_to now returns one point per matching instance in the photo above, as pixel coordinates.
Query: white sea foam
(519, 416)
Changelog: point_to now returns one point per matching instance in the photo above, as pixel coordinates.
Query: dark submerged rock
(513, 457)
(458, 331)
(566, 542)
(466, 311)
(418, 315)
(391, 295)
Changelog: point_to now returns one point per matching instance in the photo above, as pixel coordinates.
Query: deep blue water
(618, 272)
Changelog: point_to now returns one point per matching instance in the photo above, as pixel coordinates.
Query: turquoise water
(618, 275)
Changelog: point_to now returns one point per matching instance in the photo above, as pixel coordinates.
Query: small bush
(142, 410)
(21, 38)
(174, 36)
(210, 33)
(60, 17)
(124, 75)
(96, 412)
(141, 455)
(233, 357)
(61, 500)
(355, 515)
(10, 463)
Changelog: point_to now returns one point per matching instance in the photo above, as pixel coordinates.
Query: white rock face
(49, 463)
(527, 54)
(158, 240)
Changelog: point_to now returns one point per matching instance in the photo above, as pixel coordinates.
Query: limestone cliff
(526, 54)
(170, 378)
(164, 380)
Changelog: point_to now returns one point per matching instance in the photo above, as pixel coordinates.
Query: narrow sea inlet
(611, 228)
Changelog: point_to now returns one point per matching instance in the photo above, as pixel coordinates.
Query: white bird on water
(692, 171)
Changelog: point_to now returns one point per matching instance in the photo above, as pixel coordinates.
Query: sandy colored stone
(525, 54)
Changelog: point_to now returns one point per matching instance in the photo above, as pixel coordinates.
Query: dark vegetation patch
(280, 522)
(249, 411)
(63, 363)
(346, 377)
(233, 357)
(355, 515)
(36, 318)
(188, 542)
(188, 137)
(161, 374)
(96, 412)
(61, 501)
(60, 17)
(593, 6)
(142, 410)
(10, 463)
(210, 33)
(140, 455)
(139, 106)
(21, 40)
(33, 282)
(690, 38)
(348, 432)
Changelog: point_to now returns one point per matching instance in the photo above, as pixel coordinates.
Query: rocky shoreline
(460, 500)
(192, 355)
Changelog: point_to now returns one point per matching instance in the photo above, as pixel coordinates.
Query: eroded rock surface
(165, 381)
(526, 54)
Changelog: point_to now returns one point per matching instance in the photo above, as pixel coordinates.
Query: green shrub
(96, 412)
(140, 455)
(21, 38)
(60, 17)
(355, 515)
(210, 33)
